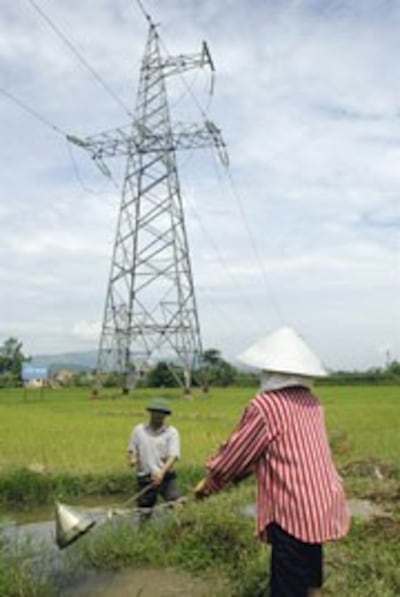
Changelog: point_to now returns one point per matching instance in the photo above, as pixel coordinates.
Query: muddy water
(38, 534)
(33, 532)
(96, 583)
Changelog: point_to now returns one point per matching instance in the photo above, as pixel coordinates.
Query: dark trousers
(296, 566)
(168, 490)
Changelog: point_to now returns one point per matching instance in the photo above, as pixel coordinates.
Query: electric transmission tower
(150, 306)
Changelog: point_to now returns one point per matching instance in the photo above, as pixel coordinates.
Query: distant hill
(74, 361)
(85, 361)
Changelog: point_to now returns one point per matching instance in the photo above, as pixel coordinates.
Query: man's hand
(201, 490)
(157, 476)
(132, 460)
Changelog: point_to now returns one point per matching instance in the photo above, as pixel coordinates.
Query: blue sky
(304, 230)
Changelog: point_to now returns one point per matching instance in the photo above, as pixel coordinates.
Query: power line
(32, 112)
(80, 57)
(255, 249)
(249, 309)
(59, 131)
(254, 246)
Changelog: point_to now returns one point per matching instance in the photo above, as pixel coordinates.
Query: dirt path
(365, 509)
(147, 583)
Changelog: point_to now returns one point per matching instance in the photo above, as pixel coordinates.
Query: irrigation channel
(37, 544)
(44, 554)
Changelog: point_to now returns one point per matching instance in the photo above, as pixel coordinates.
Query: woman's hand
(201, 490)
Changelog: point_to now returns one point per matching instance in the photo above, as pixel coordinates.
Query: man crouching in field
(282, 438)
(153, 448)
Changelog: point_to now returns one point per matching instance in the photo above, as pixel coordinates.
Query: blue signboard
(30, 372)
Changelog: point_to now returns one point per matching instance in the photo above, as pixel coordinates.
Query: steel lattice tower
(150, 306)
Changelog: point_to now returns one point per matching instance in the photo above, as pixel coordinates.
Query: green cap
(160, 405)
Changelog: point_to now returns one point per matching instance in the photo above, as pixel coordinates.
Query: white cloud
(308, 103)
(87, 330)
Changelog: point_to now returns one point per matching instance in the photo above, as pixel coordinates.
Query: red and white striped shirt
(282, 437)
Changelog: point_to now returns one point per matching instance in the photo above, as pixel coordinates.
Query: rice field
(66, 430)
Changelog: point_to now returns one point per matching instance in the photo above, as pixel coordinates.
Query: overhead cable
(256, 251)
(32, 112)
(225, 268)
(78, 54)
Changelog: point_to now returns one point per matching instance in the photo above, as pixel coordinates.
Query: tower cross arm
(119, 141)
(139, 139)
(172, 65)
(200, 136)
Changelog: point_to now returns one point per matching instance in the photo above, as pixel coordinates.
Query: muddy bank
(364, 509)
(150, 582)
(71, 580)
(43, 531)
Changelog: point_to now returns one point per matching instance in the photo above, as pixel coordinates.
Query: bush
(18, 580)
(9, 380)
(23, 488)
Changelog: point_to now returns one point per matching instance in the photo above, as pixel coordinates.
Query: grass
(68, 445)
(214, 536)
(210, 536)
(370, 416)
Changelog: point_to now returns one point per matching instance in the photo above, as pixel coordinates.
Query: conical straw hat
(284, 351)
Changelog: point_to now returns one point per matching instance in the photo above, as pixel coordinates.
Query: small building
(63, 377)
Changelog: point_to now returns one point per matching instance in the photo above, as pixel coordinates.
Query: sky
(302, 229)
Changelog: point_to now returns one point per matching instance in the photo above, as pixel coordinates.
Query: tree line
(11, 361)
(214, 371)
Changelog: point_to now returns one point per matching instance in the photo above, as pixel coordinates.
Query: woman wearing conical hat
(282, 438)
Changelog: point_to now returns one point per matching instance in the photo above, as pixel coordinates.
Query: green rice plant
(207, 533)
(366, 562)
(23, 488)
(200, 538)
(118, 545)
(17, 579)
(250, 578)
(68, 431)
